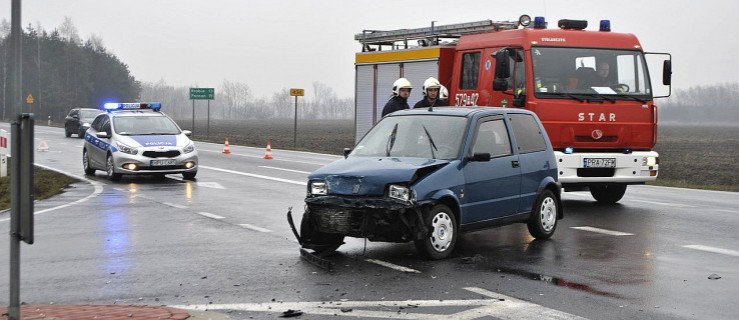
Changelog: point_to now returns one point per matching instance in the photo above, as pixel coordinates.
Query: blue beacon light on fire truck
(112, 106)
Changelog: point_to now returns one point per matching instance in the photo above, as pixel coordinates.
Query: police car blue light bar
(110, 106)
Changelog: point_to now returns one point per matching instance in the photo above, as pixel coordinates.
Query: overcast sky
(275, 44)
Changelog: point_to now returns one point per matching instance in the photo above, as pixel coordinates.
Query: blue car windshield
(420, 136)
(145, 125)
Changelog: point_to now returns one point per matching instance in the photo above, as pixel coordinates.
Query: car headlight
(125, 148)
(85, 125)
(189, 148)
(400, 192)
(318, 188)
(650, 161)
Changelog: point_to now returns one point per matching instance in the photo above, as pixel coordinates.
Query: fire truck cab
(591, 88)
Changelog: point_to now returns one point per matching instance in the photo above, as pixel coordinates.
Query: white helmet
(430, 83)
(401, 83)
(443, 93)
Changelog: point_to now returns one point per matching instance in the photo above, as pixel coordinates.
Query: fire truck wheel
(543, 220)
(443, 236)
(608, 193)
(323, 244)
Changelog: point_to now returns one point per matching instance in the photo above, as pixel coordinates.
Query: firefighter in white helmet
(431, 90)
(399, 101)
(444, 95)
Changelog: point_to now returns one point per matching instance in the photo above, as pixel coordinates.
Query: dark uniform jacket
(394, 104)
(425, 103)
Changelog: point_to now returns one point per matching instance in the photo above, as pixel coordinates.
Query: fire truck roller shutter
(417, 73)
(364, 103)
(386, 75)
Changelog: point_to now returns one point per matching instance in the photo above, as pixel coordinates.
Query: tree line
(703, 104)
(61, 71)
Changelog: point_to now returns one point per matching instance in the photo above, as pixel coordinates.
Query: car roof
(460, 111)
(134, 113)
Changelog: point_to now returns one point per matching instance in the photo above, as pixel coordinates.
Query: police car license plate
(164, 162)
(599, 162)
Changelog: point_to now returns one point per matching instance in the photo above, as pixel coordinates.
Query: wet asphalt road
(222, 242)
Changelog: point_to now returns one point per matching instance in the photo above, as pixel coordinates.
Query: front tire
(109, 169)
(543, 220)
(443, 236)
(86, 164)
(608, 193)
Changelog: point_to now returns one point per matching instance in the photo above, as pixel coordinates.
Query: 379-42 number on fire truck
(599, 162)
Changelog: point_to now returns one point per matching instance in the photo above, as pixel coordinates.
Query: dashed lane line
(283, 169)
(178, 206)
(210, 215)
(713, 249)
(603, 231)
(393, 266)
(667, 204)
(255, 228)
(302, 183)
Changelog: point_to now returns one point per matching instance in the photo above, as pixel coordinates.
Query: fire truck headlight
(650, 161)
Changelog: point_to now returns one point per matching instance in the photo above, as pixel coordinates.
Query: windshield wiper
(391, 140)
(632, 97)
(431, 142)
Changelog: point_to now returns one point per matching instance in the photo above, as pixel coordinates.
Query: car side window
(97, 123)
(106, 126)
(73, 113)
(529, 136)
(492, 137)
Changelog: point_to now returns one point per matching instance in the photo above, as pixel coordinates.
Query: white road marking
(178, 206)
(603, 231)
(214, 185)
(713, 249)
(283, 169)
(302, 183)
(274, 159)
(210, 215)
(393, 266)
(494, 304)
(664, 204)
(255, 228)
(98, 189)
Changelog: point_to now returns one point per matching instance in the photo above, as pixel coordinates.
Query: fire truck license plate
(165, 162)
(599, 162)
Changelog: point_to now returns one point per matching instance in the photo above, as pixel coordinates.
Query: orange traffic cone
(268, 153)
(226, 148)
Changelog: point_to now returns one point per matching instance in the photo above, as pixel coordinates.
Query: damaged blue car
(427, 175)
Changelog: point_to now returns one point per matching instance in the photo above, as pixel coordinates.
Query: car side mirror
(187, 132)
(480, 157)
(102, 135)
(347, 151)
(667, 72)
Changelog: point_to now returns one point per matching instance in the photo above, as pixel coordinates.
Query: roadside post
(296, 92)
(201, 94)
(3, 153)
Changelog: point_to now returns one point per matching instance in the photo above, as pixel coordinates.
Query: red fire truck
(591, 88)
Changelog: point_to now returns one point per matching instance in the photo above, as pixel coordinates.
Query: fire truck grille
(595, 172)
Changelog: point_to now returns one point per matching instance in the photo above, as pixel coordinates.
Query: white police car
(136, 138)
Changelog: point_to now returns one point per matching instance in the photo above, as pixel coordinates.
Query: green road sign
(202, 93)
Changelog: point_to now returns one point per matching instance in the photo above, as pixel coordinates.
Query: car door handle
(515, 164)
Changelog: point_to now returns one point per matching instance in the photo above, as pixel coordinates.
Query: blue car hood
(368, 176)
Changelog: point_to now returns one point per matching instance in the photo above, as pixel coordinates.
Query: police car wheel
(109, 165)
(86, 164)
(189, 175)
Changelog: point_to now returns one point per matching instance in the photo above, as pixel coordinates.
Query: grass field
(703, 157)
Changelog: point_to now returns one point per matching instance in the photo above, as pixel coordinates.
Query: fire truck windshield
(575, 72)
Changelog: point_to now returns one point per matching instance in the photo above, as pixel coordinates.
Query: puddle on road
(557, 282)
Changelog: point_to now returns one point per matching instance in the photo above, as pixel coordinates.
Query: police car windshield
(144, 125)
